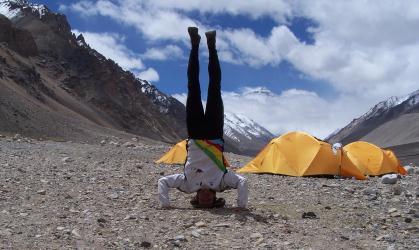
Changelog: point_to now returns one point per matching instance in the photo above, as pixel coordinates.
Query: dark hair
(218, 202)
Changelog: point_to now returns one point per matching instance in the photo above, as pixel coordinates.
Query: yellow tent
(295, 154)
(370, 159)
(176, 155)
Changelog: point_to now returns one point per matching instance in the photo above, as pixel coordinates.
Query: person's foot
(193, 34)
(211, 38)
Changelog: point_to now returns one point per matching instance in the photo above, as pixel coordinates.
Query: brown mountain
(391, 124)
(53, 84)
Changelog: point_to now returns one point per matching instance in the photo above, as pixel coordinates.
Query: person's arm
(233, 180)
(171, 181)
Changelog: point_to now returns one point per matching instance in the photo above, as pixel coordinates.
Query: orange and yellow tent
(369, 159)
(297, 154)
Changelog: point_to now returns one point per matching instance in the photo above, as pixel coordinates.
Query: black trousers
(208, 125)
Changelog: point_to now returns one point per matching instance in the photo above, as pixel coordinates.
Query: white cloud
(292, 110)
(85, 8)
(111, 45)
(165, 53)
(249, 48)
(278, 9)
(150, 75)
(152, 22)
(362, 49)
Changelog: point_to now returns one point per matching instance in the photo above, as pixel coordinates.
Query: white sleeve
(171, 181)
(233, 180)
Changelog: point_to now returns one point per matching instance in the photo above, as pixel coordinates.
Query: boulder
(389, 179)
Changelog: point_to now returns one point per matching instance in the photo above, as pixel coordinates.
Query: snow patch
(39, 9)
(239, 124)
(5, 9)
(263, 91)
(158, 98)
(13, 8)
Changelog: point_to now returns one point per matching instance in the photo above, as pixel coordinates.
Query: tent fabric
(176, 155)
(295, 154)
(370, 159)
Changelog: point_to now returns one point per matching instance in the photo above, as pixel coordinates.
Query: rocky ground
(61, 195)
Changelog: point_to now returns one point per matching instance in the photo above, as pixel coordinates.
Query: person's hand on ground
(240, 209)
(166, 207)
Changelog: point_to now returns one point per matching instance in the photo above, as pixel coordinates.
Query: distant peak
(258, 91)
(80, 40)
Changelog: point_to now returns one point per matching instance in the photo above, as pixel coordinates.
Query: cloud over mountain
(360, 49)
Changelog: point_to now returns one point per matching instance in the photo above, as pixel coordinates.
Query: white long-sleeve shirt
(202, 172)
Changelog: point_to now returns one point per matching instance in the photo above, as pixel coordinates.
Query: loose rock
(256, 235)
(222, 225)
(195, 234)
(128, 144)
(101, 220)
(180, 237)
(41, 192)
(145, 244)
(75, 233)
(397, 190)
(66, 159)
(309, 215)
(389, 179)
(200, 224)
(114, 196)
(408, 220)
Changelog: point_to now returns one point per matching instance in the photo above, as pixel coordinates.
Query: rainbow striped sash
(214, 150)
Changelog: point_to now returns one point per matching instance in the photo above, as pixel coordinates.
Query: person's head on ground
(206, 198)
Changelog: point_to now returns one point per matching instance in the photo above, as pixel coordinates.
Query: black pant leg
(195, 120)
(214, 111)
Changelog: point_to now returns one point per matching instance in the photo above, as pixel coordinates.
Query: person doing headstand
(205, 168)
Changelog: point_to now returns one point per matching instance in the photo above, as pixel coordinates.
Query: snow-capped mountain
(259, 92)
(245, 134)
(388, 123)
(16, 8)
(165, 102)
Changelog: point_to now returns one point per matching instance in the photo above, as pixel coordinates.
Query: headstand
(205, 167)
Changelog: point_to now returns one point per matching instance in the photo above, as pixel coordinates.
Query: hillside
(389, 123)
(52, 81)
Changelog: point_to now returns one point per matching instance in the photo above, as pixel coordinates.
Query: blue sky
(172, 73)
(325, 62)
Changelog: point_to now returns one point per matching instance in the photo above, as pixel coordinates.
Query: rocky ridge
(390, 124)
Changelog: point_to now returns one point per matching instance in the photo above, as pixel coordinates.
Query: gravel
(60, 195)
